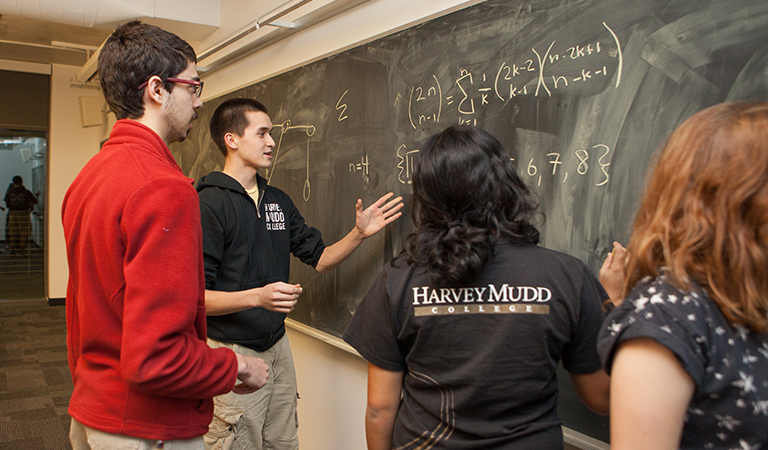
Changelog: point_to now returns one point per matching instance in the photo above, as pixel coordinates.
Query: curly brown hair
(704, 214)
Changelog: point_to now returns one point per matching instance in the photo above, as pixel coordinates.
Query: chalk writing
(285, 127)
(362, 167)
(582, 164)
(425, 103)
(342, 108)
(549, 70)
(405, 163)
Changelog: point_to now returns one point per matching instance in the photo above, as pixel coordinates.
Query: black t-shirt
(18, 198)
(480, 361)
(728, 364)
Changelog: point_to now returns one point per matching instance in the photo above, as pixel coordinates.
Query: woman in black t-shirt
(687, 347)
(470, 323)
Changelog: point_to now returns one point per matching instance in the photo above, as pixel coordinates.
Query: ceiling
(68, 31)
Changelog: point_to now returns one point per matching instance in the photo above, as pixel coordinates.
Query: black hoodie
(247, 246)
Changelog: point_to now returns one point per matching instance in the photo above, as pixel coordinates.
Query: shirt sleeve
(580, 355)
(658, 311)
(162, 350)
(213, 239)
(372, 331)
(306, 242)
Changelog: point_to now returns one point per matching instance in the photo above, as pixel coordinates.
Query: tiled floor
(35, 384)
(21, 276)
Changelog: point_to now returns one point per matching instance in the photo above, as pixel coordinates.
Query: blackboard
(582, 92)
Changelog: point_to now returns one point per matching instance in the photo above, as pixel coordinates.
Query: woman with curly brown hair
(471, 321)
(687, 347)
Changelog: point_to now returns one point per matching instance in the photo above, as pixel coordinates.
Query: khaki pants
(265, 419)
(86, 438)
(19, 228)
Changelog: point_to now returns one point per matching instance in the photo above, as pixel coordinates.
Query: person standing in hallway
(19, 201)
(143, 374)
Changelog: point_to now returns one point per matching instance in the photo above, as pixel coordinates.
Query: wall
(25, 98)
(70, 146)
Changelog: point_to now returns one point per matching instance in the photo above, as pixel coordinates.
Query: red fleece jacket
(135, 298)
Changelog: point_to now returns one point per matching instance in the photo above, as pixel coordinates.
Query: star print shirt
(728, 364)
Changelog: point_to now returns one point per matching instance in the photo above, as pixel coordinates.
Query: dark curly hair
(131, 55)
(466, 195)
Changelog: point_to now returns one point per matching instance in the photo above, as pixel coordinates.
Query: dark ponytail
(467, 194)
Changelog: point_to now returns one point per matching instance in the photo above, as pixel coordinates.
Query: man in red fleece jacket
(143, 374)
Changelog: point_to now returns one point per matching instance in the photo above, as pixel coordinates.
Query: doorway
(22, 249)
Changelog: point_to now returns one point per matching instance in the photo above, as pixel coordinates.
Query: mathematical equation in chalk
(536, 167)
(470, 92)
(597, 156)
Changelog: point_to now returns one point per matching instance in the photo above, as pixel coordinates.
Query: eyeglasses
(197, 84)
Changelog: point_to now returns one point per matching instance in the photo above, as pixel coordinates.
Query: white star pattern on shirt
(672, 299)
(747, 383)
(743, 332)
(744, 445)
(692, 317)
(657, 299)
(727, 422)
(640, 303)
(720, 331)
(749, 359)
(667, 329)
(761, 407)
(615, 328)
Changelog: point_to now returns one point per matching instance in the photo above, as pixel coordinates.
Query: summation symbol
(285, 127)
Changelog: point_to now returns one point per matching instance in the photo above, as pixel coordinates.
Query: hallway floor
(35, 384)
(21, 277)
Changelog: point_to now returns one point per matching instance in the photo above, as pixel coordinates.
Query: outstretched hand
(612, 273)
(380, 214)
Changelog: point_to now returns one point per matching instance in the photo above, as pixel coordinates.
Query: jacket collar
(224, 181)
(127, 131)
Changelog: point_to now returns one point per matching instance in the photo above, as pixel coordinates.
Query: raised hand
(612, 273)
(380, 214)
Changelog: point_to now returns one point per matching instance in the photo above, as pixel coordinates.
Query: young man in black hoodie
(250, 229)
